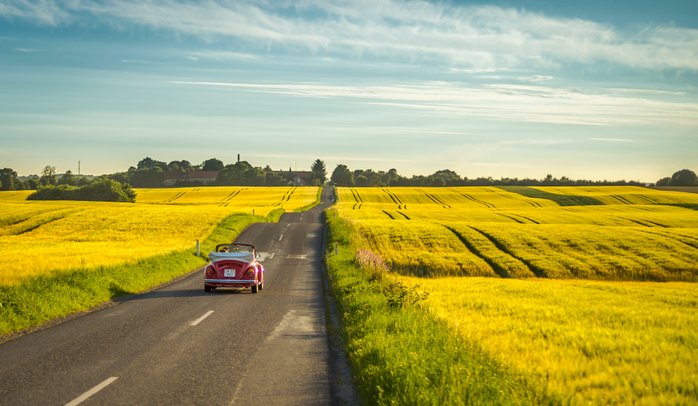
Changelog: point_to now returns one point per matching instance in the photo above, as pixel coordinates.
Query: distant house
(297, 178)
(193, 177)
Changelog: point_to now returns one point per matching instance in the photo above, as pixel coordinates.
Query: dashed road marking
(200, 319)
(91, 392)
(281, 236)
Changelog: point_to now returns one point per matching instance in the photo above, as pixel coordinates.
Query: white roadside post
(198, 248)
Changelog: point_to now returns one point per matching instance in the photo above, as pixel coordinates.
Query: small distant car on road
(234, 265)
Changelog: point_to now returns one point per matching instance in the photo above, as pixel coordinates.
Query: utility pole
(78, 167)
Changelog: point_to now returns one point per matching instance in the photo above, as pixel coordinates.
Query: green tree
(212, 164)
(48, 175)
(8, 179)
(67, 179)
(342, 176)
(149, 163)
(684, 177)
(664, 181)
(319, 171)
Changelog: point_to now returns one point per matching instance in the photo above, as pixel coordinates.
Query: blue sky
(599, 90)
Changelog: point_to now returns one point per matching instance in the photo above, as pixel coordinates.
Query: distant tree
(32, 183)
(319, 171)
(146, 177)
(67, 179)
(241, 173)
(446, 177)
(684, 177)
(273, 178)
(149, 163)
(8, 179)
(664, 181)
(342, 176)
(212, 164)
(48, 175)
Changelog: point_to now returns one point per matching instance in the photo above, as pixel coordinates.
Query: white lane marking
(91, 392)
(264, 256)
(200, 319)
(281, 236)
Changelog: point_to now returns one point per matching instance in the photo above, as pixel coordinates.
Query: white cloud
(504, 102)
(475, 39)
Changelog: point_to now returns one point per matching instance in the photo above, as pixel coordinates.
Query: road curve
(179, 345)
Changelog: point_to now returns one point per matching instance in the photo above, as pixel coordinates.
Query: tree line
(343, 176)
(149, 172)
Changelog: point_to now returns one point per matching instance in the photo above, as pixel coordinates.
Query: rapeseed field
(39, 237)
(489, 231)
(585, 294)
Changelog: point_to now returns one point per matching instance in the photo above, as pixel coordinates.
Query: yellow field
(588, 341)
(562, 305)
(488, 231)
(37, 237)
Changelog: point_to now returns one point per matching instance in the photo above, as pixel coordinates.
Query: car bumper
(230, 282)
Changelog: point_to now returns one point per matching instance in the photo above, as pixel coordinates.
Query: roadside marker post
(198, 248)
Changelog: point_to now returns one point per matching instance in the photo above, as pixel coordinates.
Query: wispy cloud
(503, 102)
(622, 140)
(475, 39)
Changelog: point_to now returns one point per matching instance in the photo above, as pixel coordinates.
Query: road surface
(179, 345)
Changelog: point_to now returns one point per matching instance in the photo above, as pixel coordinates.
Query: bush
(100, 189)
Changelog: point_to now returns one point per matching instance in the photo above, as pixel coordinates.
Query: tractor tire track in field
(175, 197)
(677, 238)
(499, 270)
(389, 215)
(404, 215)
(645, 223)
(434, 199)
(395, 199)
(513, 216)
(33, 223)
(539, 272)
(476, 200)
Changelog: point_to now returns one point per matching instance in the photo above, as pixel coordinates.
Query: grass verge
(398, 351)
(39, 300)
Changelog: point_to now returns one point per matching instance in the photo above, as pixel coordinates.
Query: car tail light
(250, 273)
(210, 271)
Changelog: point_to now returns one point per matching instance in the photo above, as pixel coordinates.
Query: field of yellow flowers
(39, 237)
(587, 294)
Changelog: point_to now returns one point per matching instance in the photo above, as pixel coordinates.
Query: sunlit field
(38, 237)
(586, 341)
(488, 231)
(587, 293)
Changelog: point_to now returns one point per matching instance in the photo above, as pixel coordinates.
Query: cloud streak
(474, 39)
(503, 102)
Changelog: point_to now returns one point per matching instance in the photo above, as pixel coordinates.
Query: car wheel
(254, 288)
(261, 285)
(207, 289)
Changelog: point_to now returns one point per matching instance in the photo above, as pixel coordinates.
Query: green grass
(562, 200)
(41, 299)
(402, 354)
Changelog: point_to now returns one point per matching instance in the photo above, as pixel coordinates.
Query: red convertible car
(234, 265)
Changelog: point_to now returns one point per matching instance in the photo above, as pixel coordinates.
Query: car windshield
(240, 248)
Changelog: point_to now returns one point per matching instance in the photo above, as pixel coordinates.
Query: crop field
(585, 341)
(622, 233)
(39, 237)
(587, 294)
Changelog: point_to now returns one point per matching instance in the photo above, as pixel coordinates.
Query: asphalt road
(179, 345)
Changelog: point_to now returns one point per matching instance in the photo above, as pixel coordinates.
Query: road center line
(200, 319)
(281, 236)
(91, 392)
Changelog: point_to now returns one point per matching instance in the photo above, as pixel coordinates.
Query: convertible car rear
(234, 266)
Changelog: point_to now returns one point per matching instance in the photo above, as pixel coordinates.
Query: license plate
(229, 273)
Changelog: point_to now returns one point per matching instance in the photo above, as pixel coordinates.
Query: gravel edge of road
(342, 389)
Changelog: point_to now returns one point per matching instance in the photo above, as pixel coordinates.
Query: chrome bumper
(232, 281)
